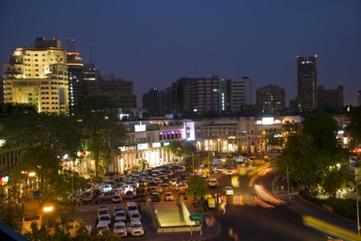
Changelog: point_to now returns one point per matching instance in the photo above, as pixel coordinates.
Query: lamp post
(357, 178)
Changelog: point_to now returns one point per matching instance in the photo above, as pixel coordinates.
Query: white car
(228, 171)
(134, 217)
(105, 219)
(120, 216)
(131, 206)
(212, 182)
(120, 229)
(168, 196)
(136, 229)
(103, 211)
(102, 226)
(228, 190)
(116, 199)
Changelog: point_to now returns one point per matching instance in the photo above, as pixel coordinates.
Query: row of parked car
(151, 182)
(122, 220)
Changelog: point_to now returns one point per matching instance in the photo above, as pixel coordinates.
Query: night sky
(154, 42)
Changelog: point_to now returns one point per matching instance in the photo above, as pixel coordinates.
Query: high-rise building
(238, 94)
(38, 76)
(307, 81)
(359, 98)
(118, 91)
(208, 95)
(330, 99)
(152, 102)
(75, 71)
(270, 99)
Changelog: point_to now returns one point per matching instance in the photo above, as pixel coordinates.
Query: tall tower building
(307, 81)
(38, 76)
(208, 95)
(75, 71)
(239, 94)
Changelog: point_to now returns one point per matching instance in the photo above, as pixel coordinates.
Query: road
(256, 223)
(250, 221)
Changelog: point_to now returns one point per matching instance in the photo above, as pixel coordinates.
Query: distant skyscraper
(152, 102)
(119, 92)
(75, 71)
(270, 99)
(359, 98)
(38, 76)
(307, 81)
(238, 94)
(208, 95)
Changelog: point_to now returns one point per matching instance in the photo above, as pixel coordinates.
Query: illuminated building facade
(75, 71)
(147, 143)
(38, 76)
(270, 99)
(244, 134)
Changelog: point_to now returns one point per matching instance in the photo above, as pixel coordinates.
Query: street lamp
(31, 174)
(48, 209)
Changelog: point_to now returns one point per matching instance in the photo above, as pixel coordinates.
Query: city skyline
(199, 40)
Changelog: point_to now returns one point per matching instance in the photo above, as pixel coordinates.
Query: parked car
(155, 197)
(120, 216)
(131, 206)
(134, 216)
(120, 229)
(212, 182)
(136, 229)
(228, 190)
(102, 226)
(105, 196)
(116, 198)
(168, 196)
(102, 211)
(106, 219)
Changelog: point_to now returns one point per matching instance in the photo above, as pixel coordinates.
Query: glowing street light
(31, 174)
(48, 209)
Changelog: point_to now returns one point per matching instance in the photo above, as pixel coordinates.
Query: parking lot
(105, 205)
(119, 204)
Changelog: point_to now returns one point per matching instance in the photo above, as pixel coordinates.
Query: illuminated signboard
(265, 121)
(188, 132)
(156, 144)
(142, 146)
(140, 127)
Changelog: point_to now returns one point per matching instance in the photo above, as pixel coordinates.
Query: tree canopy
(313, 157)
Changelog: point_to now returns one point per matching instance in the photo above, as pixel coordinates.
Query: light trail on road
(330, 229)
(267, 196)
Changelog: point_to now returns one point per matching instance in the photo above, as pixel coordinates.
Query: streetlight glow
(48, 209)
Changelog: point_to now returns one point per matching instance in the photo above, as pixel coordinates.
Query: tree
(42, 139)
(197, 187)
(311, 155)
(102, 131)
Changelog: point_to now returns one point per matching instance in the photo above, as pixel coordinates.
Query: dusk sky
(154, 42)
